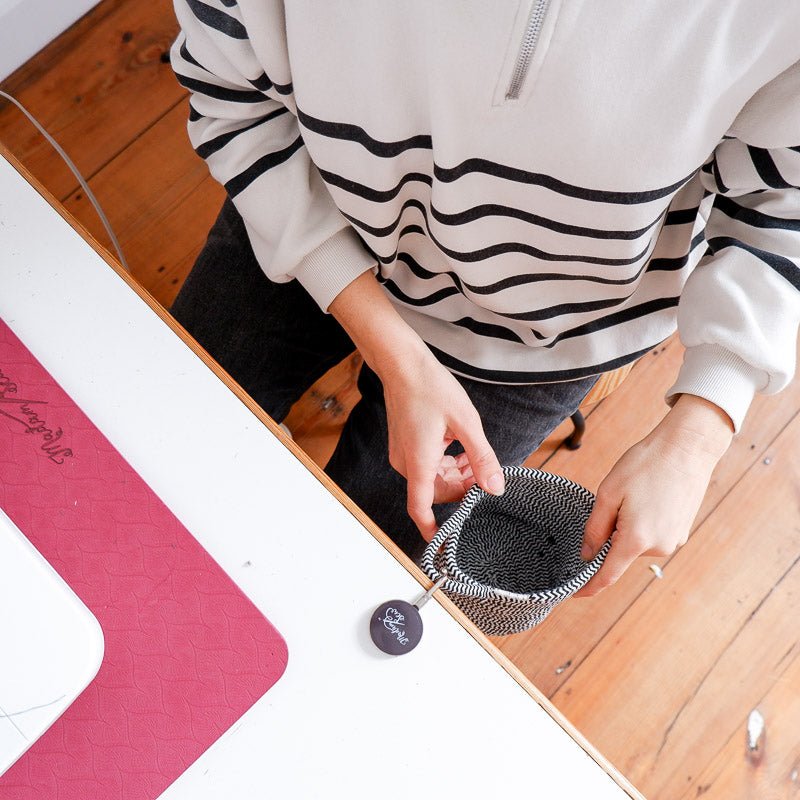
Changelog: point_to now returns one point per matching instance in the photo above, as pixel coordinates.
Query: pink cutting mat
(186, 653)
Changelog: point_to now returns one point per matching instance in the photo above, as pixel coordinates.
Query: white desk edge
(343, 718)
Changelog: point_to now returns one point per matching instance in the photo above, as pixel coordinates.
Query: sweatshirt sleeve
(244, 125)
(739, 311)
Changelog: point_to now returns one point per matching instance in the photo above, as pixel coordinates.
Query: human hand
(427, 409)
(649, 500)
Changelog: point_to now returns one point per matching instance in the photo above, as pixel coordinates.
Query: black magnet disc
(396, 627)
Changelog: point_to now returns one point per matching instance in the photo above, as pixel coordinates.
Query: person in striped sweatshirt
(495, 203)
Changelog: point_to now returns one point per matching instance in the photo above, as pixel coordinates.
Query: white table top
(52, 645)
(344, 720)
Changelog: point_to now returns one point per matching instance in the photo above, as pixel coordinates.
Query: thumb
(600, 525)
(485, 467)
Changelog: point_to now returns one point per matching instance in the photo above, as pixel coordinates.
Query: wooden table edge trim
(327, 482)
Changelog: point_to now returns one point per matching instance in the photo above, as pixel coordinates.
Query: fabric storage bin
(508, 560)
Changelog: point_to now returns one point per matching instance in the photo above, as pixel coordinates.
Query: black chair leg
(573, 441)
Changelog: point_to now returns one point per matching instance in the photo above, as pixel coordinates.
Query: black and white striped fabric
(549, 237)
(510, 560)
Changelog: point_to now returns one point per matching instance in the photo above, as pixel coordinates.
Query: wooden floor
(660, 674)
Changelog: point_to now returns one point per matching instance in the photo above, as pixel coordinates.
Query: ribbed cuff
(338, 261)
(721, 377)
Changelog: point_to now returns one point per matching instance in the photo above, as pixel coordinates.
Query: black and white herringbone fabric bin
(509, 560)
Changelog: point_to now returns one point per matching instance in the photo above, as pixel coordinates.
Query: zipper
(527, 48)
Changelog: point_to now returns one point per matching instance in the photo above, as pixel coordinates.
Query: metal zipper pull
(527, 48)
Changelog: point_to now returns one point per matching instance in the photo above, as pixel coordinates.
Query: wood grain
(551, 652)
(96, 89)
(701, 645)
(731, 775)
(316, 419)
(606, 384)
(160, 222)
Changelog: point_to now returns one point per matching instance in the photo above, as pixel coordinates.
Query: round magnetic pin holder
(396, 627)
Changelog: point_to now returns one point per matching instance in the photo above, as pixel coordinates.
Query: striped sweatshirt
(545, 189)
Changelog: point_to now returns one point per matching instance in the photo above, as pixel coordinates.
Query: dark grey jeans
(275, 342)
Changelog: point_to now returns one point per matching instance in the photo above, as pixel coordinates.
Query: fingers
(420, 502)
(622, 554)
(453, 479)
(600, 525)
(485, 466)
(433, 477)
(447, 483)
(426, 484)
(627, 544)
(421, 477)
(448, 490)
(467, 475)
(462, 462)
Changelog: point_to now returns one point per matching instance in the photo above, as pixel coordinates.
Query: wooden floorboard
(96, 91)
(549, 653)
(316, 420)
(697, 648)
(660, 674)
(574, 628)
(776, 776)
(160, 221)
